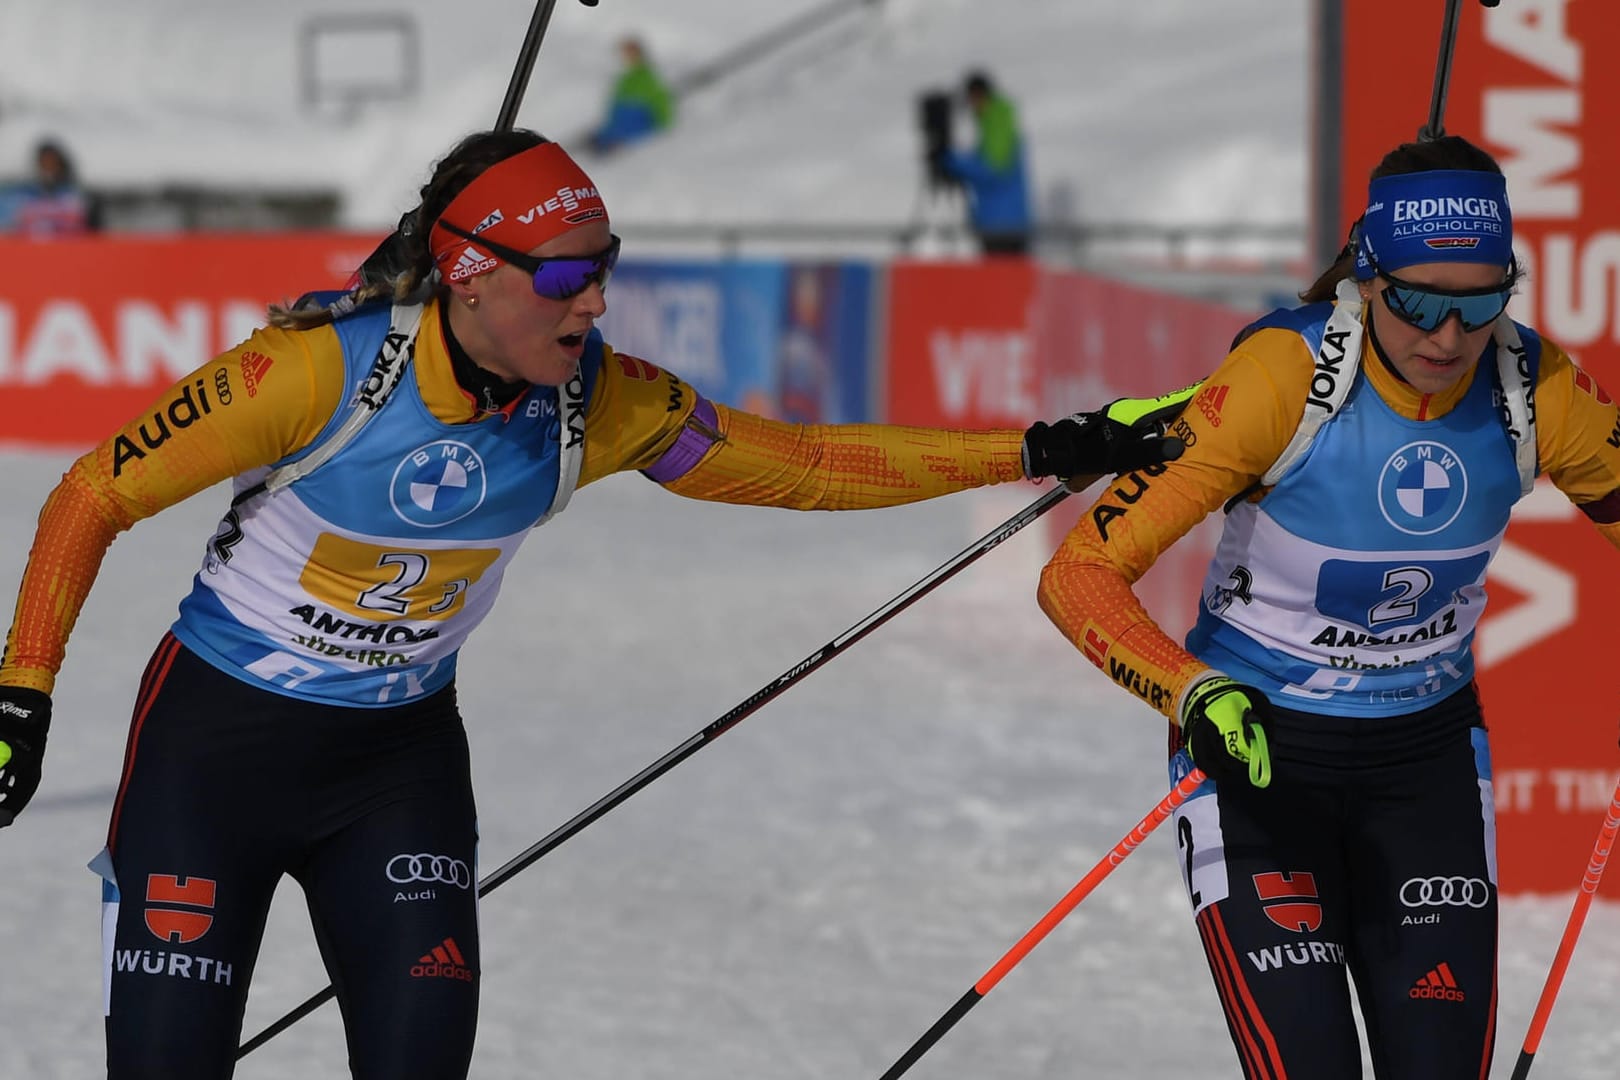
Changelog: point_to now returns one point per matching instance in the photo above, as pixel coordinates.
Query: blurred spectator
(641, 103)
(52, 203)
(993, 172)
(805, 391)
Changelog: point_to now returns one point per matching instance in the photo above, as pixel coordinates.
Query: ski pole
(1167, 806)
(385, 261)
(525, 63)
(1435, 128)
(1572, 930)
(739, 713)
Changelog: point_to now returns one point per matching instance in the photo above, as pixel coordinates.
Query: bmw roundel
(437, 484)
(1422, 488)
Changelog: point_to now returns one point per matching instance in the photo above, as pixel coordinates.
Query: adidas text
(441, 971)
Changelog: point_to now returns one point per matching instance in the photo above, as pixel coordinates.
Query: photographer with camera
(993, 174)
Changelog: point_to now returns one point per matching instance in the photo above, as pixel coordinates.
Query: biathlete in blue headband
(1369, 447)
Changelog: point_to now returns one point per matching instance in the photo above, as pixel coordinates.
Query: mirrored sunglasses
(1428, 308)
(554, 278)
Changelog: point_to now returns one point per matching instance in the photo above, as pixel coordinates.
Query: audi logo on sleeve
(429, 870)
(1445, 892)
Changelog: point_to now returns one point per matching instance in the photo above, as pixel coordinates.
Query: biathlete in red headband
(388, 458)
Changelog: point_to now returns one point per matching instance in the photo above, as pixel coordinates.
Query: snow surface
(799, 900)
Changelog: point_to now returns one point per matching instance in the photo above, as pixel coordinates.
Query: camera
(934, 119)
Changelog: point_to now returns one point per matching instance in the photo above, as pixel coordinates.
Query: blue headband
(1445, 215)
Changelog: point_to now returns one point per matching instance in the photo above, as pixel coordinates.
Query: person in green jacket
(993, 173)
(641, 102)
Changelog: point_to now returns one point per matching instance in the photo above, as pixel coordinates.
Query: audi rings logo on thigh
(429, 869)
(1445, 892)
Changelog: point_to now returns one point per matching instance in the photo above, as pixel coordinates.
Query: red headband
(520, 202)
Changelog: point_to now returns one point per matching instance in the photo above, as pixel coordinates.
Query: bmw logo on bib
(437, 484)
(1422, 488)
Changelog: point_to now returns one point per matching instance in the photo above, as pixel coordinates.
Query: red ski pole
(1572, 930)
(1167, 806)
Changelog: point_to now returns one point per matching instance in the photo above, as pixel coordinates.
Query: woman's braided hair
(402, 268)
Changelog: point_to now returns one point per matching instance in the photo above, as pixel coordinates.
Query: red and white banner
(1002, 343)
(959, 346)
(1532, 81)
(92, 329)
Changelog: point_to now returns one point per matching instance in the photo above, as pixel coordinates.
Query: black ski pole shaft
(742, 711)
(775, 688)
(1129, 843)
(382, 262)
(1435, 128)
(515, 89)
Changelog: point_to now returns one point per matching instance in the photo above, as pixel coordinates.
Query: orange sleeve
(763, 462)
(1578, 438)
(73, 536)
(1577, 434)
(638, 411)
(1234, 430)
(246, 408)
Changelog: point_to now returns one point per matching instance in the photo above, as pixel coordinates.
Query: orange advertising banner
(92, 329)
(1532, 83)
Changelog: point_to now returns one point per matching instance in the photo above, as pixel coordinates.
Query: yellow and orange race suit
(272, 396)
(1280, 615)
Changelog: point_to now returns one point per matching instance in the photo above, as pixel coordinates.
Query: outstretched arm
(854, 466)
(843, 466)
(643, 417)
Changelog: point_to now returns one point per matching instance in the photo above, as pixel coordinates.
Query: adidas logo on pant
(1437, 985)
(443, 961)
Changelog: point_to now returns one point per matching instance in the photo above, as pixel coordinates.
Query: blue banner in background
(785, 340)
(824, 362)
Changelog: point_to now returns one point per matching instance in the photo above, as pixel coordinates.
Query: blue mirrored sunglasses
(554, 278)
(1428, 308)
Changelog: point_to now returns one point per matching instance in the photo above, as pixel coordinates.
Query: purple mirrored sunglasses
(554, 278)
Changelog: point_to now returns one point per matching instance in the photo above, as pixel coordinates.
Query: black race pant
(227, 787)
(1372, 851)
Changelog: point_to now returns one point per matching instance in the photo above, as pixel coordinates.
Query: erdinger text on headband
(1444, 215)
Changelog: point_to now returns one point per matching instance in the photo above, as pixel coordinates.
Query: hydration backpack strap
(1338, 358)
(1518, 389)
(570, 441)
(393, 360)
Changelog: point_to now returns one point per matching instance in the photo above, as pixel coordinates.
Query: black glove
(25, 717)
(1223, 724)
(1125, 434)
